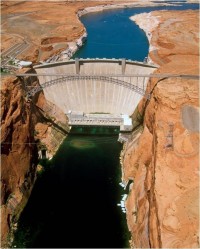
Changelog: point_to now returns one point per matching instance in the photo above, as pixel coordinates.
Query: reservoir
(111, 34)
(74, 201)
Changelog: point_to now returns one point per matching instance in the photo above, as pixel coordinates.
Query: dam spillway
(87, 86)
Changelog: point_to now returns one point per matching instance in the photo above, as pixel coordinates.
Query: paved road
(189, 76)
(13, 52)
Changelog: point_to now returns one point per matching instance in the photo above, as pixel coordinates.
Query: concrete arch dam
(94, 85)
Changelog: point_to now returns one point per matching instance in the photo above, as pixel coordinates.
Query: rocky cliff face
(163, 209)
(18, 150)
(25, 128)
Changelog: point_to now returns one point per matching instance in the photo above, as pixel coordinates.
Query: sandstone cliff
(26, 128)
(163, 205)
(18, 152)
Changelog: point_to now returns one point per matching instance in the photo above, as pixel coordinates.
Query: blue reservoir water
(111, 34)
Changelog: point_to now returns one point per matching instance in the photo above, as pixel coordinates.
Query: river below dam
(74, 201)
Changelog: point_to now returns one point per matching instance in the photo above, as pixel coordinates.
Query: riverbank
(83, 175)
(164, 200)
(163, 47)
(148, 23)
(27, 129)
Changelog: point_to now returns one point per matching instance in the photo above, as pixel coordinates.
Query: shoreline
(150, 23)
(74, 46)
(148, 28)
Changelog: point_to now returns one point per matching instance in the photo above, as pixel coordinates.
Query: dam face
(92, 94)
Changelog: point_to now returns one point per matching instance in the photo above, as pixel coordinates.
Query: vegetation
(11, 62)
(4, 70)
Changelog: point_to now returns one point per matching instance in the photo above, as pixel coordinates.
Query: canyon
(27, 128)
(162, 157)
(163, 161)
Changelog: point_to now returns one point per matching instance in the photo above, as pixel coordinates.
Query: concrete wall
(94, 95)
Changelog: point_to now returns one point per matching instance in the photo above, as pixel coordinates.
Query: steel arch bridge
(129, 74)
(108, 79)
(114, 71)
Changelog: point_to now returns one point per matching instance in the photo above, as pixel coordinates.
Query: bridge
(108, 79)
(106, 86)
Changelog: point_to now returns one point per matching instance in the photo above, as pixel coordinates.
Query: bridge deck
(166, 75)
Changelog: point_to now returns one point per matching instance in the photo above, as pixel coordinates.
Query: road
(13, 52)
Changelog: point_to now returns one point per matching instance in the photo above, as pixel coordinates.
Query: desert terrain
(163, 205)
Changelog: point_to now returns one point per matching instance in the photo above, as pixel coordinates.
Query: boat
(122, 204)
(124, 197)
(122, 184)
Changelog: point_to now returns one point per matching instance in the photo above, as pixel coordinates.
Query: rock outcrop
(26, 128)
(18, 152)
(163, 204)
